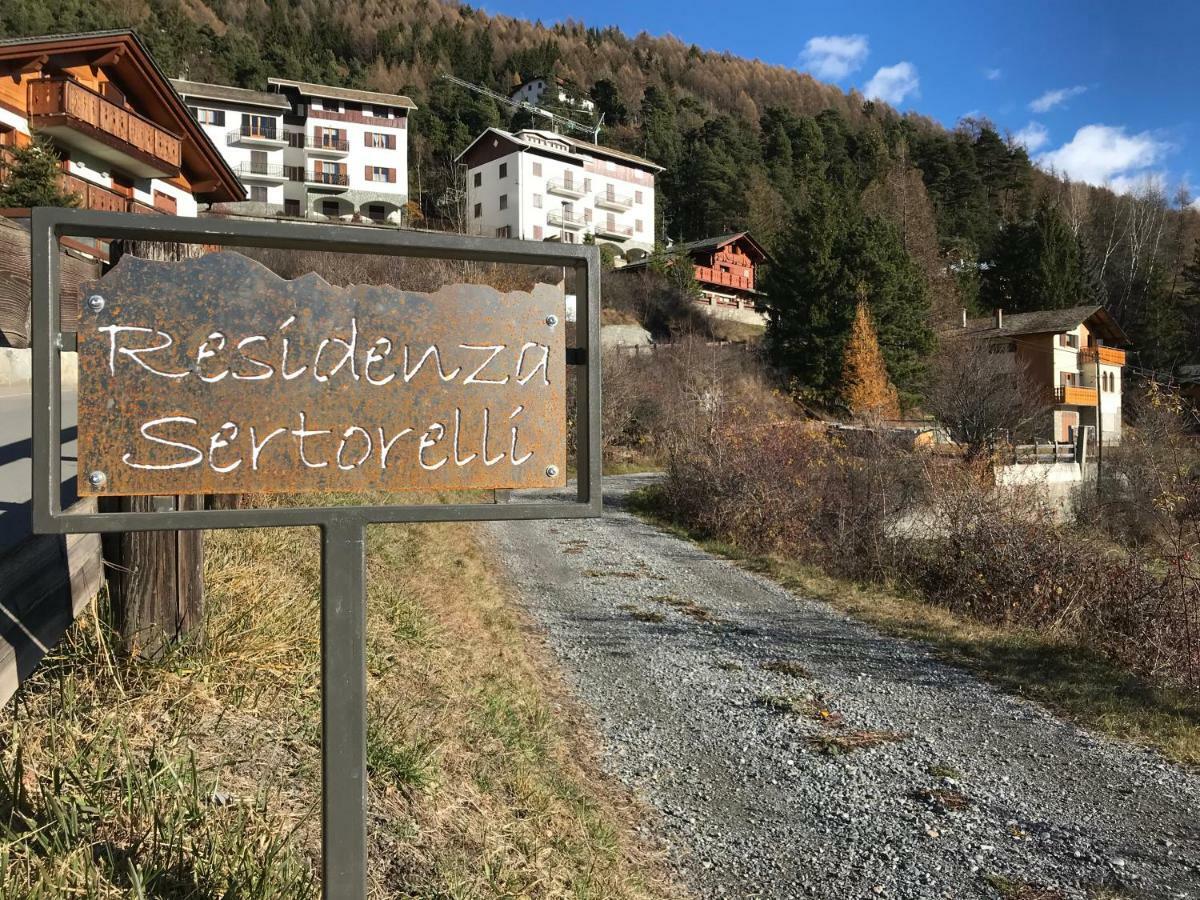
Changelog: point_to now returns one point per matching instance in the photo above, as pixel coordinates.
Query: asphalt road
(974, 794)
(16, 468)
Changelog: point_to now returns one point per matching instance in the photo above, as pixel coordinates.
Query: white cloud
(1106, 155)
(1032, 137)
(834, 56)
(992, 74)
(892, 84)
(1056, 97)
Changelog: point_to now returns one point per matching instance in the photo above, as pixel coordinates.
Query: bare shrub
(983, 397)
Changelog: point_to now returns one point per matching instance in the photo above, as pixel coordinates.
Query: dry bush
(650, 298)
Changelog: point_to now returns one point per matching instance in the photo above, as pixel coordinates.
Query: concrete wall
(1057, 483)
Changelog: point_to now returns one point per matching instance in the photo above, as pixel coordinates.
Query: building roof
(339, 93)
(595, 149)
(1045, 321)
(231, 94)
(713, 244)
(123, 54)
(575, 148)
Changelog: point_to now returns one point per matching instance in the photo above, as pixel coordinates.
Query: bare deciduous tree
(983, 394)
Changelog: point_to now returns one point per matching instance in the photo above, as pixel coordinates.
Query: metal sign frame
(343, 529)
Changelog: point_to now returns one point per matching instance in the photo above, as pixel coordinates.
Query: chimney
(999, 317)
(964, 317)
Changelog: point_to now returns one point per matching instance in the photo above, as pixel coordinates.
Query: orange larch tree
(866, 389)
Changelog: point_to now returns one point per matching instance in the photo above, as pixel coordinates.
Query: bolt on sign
(215, 375)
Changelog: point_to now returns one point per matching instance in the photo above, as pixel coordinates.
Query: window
(1068, 340)
(330, 105)
(504, 231)
(587, 215)
(568, 237)
(478, 179)
(295, 138)
(380, 174)
(258, 162)
(637, 196)
(537, 170)
(537, 232)
(381, 112)
(258, 193)
(478, 210)
(504, 201)
(587, 185)
(209, 116)
(258, 126)
(637, 225)
(378, 140)
(503, 170)
(330, 208)
(291, 207)
(537, 201)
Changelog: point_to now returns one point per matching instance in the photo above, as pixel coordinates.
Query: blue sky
(1102, 90)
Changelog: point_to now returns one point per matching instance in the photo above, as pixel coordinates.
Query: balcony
(330, 181)
(256, 172)
(709, 275)
(76, 116)
(1110, 356)
(95, 196)
(613, 200)
(252, 136)
(566, 188)
(565, 220)
(1075, 396)
(326, 145)
(613, 230)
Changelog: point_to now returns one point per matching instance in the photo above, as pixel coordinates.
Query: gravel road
(667, 646)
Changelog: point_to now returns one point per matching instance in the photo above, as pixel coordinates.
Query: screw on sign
(214, 375)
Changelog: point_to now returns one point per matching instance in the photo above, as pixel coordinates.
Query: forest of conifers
(851, 198)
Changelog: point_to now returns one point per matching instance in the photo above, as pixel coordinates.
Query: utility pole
(1099, 420)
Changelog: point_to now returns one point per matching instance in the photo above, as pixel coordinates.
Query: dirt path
(982, 794)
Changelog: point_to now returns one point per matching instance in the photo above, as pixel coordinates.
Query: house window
(376, 212)
(478, 210)
(637, 196)
(568, 237)
(503, 170)
(258, 193)
(637, 225)
(258, 162)
(209, 116)
(330, 208)
(331, 105)
(381, 174)
(258, 126)
(537, 201)
(377, 140)
(381, 112)
(537, 232)
(504, 231)
(537, 170)
(478, 179)
(504, 201)
(1069, 340)
(587, 215)
(587, 185)
(295, 138)
(291, 207)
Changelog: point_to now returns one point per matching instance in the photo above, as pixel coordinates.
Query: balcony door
(258, 126)
(258, 162)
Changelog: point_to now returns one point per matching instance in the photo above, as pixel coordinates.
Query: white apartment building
(540, 186)
(309, 150)
(247, 126)
(543, 91)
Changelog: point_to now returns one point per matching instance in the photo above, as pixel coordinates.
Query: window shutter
(391, 142)
(391, 176)
(367, 173)
(366, 139)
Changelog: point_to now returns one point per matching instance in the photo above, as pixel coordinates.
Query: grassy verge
(198, 775)
(1064, 676)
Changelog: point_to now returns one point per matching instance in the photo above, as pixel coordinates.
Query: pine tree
(33, 178)
(866, 390)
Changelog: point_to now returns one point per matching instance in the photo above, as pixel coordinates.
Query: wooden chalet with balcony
(1069, 354)
(726, 268)
(127, 141)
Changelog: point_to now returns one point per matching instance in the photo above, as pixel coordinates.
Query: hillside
(904, 206)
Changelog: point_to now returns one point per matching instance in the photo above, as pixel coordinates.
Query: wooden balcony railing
(1075, 396)
(1108, 355)
(728, 279)
(59, 102)
(95, 196)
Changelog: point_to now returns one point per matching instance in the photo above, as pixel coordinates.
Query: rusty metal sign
(215, 375)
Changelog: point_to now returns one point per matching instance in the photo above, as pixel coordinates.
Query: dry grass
(198, 776)
(788, 667)
(842, 742)
(689, 608)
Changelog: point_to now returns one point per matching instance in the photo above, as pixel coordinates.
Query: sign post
(214, 375)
